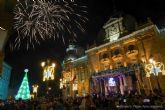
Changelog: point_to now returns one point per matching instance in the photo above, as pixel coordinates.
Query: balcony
(104, 58)
(117, 55)
(132, 52)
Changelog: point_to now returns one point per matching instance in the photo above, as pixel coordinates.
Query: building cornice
(81, 59)
(132, 35)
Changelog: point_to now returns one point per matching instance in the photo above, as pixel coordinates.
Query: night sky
(99, 12)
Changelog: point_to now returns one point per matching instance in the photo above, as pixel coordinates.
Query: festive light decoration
(75, 87)
(24, 92)
(61, 84)
(111, 82)
(48, 73)
(35, 89)
(49, 70)
(37, 20)
(154, 68)
(67, 76)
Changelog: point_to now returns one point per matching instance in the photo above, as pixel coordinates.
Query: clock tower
(113, 28)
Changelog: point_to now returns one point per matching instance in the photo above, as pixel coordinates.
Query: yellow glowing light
(151, 61)
(32, 95)
(35, 88)
(43, 64)
(53, 65)
(154, 68)
(61, 83)
(75, 87)
(67, 75)
(48, 73)
(2, 28)
(49, 88)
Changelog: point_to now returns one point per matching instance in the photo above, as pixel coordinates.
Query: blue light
(111, 82)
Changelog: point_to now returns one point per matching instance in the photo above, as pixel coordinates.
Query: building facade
(3, 40)
(4, 81)
(131, 58)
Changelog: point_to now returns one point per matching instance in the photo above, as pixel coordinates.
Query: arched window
(116, 52)
(131, 47)
(105, 55)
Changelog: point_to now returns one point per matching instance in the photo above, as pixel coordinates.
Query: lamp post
(35, 89)
(48, 72)
(155, 72)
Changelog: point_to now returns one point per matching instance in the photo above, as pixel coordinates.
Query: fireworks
(37, 20)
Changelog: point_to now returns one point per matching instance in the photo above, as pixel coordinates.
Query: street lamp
(35, 89)
(155, 70)
(48, 72)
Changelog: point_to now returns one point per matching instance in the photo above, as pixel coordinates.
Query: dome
(80, 51)
(71, 47)
(73, 52)
(70, 53)
(70, 57)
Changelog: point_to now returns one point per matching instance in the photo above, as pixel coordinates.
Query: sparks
(37, 20)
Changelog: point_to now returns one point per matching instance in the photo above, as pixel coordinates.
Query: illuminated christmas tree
(24, 92)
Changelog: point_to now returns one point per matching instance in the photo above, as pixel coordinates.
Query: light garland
(155, 68)
(48, 73)
(35, 88)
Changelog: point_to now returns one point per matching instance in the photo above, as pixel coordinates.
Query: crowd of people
(128, 101)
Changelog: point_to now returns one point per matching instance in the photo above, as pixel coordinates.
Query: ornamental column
(97, 85)
(121, 85)
(129, 82)
(104, 81)
(138, 82)
(125, 83)
(100, 89)
(106, 86)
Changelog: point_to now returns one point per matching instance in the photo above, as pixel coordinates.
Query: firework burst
(37, 20)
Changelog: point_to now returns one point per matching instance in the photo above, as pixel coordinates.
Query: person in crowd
(95, 102)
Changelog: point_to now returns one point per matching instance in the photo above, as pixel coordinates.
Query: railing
(118, 70)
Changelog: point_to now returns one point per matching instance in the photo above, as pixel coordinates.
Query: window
(119, 64)
(116, 52)
(105, 55)
(131, 47)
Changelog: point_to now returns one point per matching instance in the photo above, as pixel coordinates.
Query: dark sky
(99, 12)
